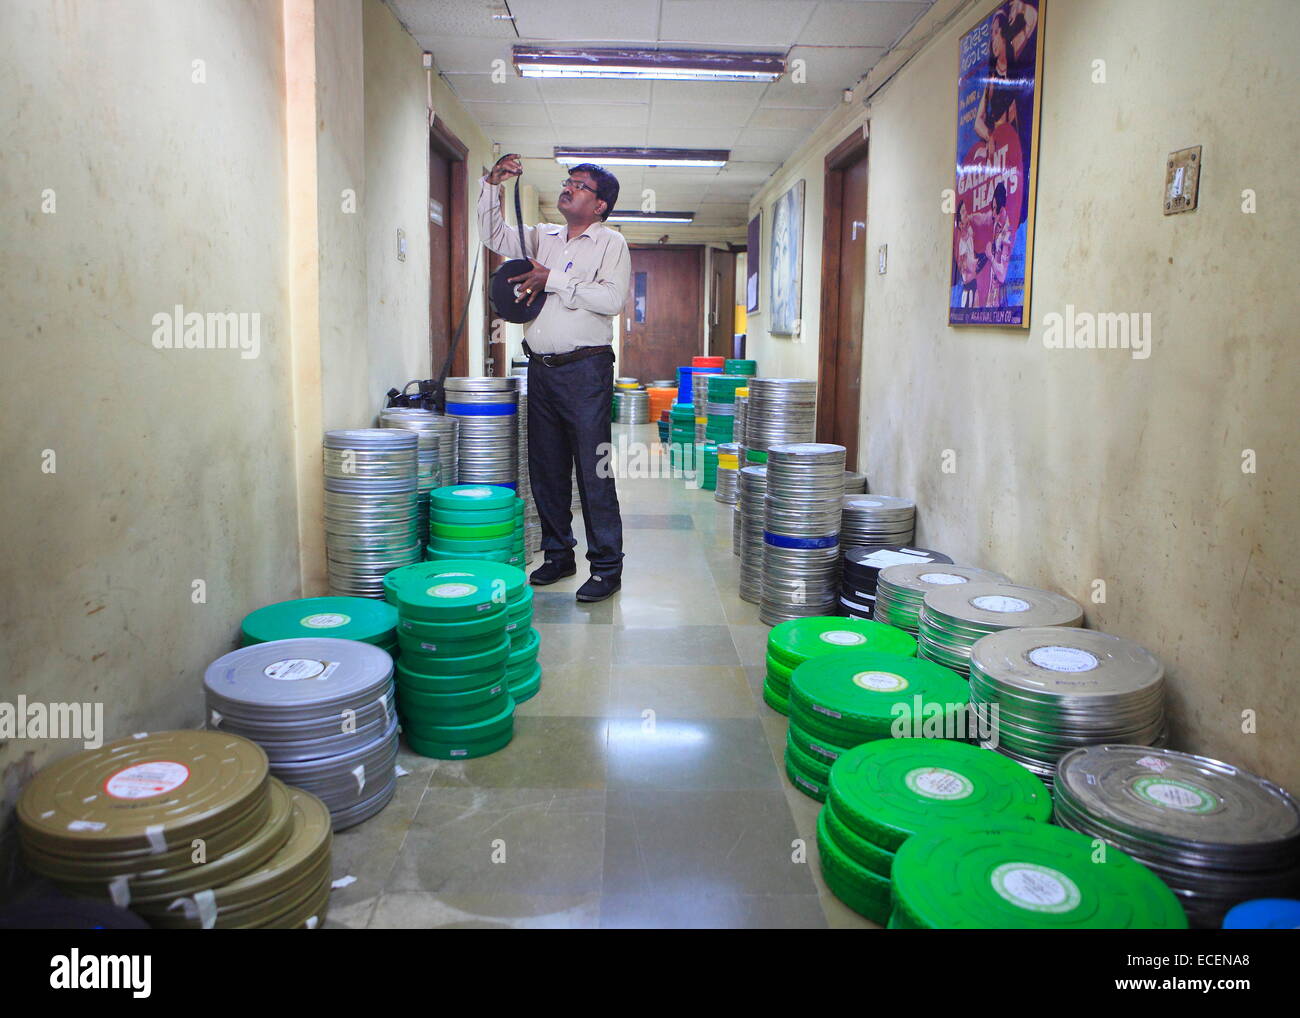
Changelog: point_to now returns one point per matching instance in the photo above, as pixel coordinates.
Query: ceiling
(762, 124)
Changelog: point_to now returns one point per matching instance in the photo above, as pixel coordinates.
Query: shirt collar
(590, 231)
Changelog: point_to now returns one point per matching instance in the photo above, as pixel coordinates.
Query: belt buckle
(546, 359)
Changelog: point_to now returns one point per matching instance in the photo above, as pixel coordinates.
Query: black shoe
(549, 572)
(598, 588)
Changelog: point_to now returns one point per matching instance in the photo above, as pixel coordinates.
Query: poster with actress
(999, 62)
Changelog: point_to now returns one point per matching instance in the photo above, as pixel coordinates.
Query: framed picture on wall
(999, 65)
(752, 264)
(787, 262)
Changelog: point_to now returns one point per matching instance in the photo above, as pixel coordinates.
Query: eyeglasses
(577, 185)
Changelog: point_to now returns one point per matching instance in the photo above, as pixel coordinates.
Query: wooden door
(663, 321)
(844, 268)
(722, 303)
(448, 248)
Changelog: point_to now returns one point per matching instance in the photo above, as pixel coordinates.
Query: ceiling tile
(584, 90)
(481, 88)
(601, 137)
(702, 115)
(860, 24)
(593, 115)
(468, 55)
(710, 93)
(700, 23)
(784, 118)
(427, 21)
(585, 20)
(691, 137)
(829, 66)
(507, 114)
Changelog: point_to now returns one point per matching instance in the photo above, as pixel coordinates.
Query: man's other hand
(534, 282)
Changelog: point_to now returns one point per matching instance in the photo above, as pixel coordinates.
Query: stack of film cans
(322, 710)
(901, 588)
(739, 366)
(952, 620)
(631, 406)
(532, 522)
(707, 477)
(876, 520)
(1217, 835)
(791, 643)
(341, 618)
(372, 514)
(425, 424)
(738, 431)
(477, 521)
(720, 406)
(120, 823)
(843, 700)
(861, 566)
(1042, 692)
(1011, 874)
(779, 411)
(728, 467)
(486, 410)
(752, 506)
(453, 695)
(681, 436)
(855, 483)
(884, 792)
(801, 557)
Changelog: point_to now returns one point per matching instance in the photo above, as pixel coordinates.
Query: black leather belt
(554, 360)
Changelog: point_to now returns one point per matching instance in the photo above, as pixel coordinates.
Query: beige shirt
(589, 280)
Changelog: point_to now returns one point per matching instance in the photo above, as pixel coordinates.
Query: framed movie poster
(753, 262)
(998, 98)
(787, 262)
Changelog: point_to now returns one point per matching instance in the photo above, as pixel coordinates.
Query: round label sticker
(939, 783)
(843, 638)
(326, 620)
(880, 682)
(139, 781)
(293, 668)
(474, 493)
(1174, 794)
(1000, 603)
(944, 579)
(452, 590)
(1063, 659)
(1036, 888)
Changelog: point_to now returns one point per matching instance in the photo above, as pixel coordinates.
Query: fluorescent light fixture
(666, 65)
(651, 217)
(643, 156)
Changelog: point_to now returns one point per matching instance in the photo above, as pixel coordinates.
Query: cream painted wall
(397, 188)
(342, 207)
(1075, 466)
(172, 466)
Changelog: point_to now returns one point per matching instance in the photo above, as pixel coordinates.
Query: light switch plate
(1182, 180)
(883, 258)
(401, 244)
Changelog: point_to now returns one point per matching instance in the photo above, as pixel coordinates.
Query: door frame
(849, 151)
(443, 142)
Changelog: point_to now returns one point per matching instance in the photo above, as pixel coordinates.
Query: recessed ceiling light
(666, 65)
(643, 156)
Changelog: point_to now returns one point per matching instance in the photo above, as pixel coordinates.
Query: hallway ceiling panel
(761, 123)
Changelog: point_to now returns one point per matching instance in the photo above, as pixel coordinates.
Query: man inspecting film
(582, 271)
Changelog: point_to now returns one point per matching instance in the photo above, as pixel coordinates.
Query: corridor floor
(598, 814)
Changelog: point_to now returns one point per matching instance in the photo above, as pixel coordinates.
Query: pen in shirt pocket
(568, 267)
